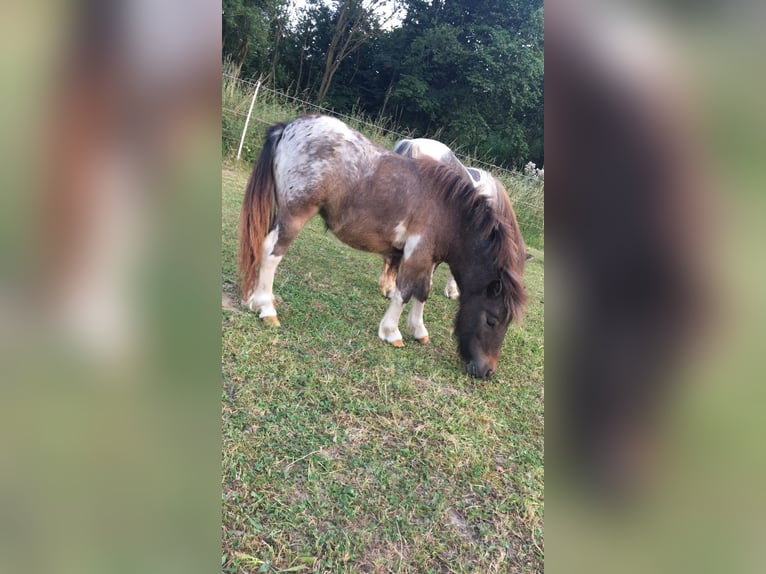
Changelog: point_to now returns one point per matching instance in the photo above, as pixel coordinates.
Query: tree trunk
(332, 51)
(243, 49)
(352, 17)
(388, 95)
(277, 38)
(326, 79)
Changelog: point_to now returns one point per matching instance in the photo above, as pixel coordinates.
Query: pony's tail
(259, 208)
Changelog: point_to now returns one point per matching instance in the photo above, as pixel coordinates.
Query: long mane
(496, 226)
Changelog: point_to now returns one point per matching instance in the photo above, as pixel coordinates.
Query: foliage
(482, 66)
(526, 191)
(466, 71)
(246, 32)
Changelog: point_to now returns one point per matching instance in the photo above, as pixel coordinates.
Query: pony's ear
(494, 289)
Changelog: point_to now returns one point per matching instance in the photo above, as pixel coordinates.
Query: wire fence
(275, 105)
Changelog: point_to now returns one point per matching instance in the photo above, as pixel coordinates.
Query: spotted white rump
(296, 177)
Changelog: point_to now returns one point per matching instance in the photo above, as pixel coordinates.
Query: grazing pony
(484, 183)
(415, 212)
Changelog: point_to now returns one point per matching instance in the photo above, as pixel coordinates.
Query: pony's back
(424, 147)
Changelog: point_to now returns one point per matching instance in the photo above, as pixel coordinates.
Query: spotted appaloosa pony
(484, 183)
(417, 212)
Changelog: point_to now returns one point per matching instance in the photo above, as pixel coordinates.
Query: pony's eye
(491, 321)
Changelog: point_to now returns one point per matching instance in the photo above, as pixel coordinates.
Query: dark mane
(497, 228)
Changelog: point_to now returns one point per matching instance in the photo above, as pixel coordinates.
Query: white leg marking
(450, 290)
(410, 245)
(263, 297)
(271, 241)
(389, 325)
(415, 326)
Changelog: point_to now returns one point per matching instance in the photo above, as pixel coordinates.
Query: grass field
(343, 454)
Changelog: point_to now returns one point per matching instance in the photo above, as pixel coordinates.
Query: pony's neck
(467, 257)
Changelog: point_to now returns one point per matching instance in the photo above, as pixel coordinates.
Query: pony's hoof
(272, 320)
(424, 340)
(397, 343)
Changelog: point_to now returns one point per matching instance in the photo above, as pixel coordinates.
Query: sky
(388, 6)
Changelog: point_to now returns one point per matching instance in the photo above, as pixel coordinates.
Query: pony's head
(491, 290)
(487, 260)
(487, 307)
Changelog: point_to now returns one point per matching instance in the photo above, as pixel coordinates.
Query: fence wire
(306, 105)
(398, 135)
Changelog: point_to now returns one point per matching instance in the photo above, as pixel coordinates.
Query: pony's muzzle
(482, 371)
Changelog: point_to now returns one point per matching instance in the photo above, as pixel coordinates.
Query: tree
(469, 72)
(354, 23)
(251, 31)
(473, 74)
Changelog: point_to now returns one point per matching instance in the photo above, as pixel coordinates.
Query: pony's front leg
(389, 325)
(414, 282)
(415, 326)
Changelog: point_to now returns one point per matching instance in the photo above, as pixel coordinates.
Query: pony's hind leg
(387, 280)
(262, 297)
(274, 248)
(450, 289)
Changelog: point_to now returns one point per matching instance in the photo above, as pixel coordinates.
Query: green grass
(344, 454)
